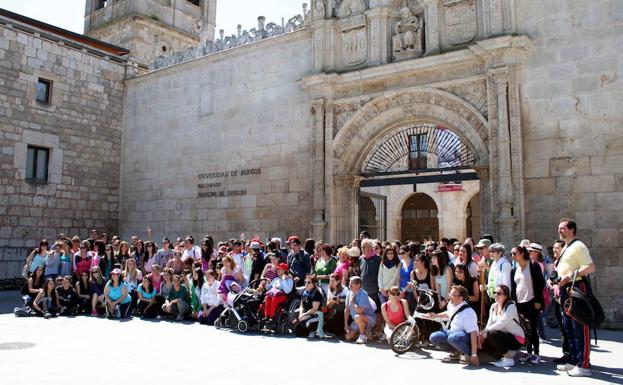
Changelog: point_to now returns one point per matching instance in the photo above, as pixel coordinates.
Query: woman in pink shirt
(342, 264)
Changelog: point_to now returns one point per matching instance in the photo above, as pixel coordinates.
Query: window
(196, 2)
(44, 88)
(37, 160)
(418, 152)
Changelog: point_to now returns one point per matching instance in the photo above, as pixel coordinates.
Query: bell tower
(150, 28)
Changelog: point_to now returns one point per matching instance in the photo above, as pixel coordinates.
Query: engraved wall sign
(461, 22)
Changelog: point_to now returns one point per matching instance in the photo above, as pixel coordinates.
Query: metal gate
(373, 214)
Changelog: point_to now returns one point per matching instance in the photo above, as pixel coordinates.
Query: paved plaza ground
(98, 351)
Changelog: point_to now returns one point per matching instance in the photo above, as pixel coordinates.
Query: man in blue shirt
(360, 309)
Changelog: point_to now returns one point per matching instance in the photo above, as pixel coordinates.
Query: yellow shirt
(573, 258)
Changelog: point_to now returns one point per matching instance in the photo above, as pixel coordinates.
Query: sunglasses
(82, 248)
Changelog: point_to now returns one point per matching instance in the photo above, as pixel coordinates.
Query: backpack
(583, 307)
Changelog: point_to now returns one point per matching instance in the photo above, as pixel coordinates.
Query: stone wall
(145, 38)
(191, 125)
(82, 128)
(571, 93)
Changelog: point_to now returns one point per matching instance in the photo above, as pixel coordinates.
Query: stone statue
(320, 9)
(407, 35)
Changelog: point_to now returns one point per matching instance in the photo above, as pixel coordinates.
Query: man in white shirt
(462, 337)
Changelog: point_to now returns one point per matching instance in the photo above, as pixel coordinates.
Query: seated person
(462, 337)
(503, 335)
(277, 290)
(67, 297)
(336, 300)
(147, 305)
(98, 283)
(211, 303)
(228, 289)
(177, 302)
(309, 320)
(83, 290)
(46, 303)
(395, 311)
(361, 310)
(118, 301)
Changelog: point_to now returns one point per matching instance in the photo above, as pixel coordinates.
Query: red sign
(447, 187)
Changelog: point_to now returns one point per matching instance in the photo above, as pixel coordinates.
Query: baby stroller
(243, 314)
(229, 291)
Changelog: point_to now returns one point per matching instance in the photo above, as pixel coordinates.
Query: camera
(554, 278)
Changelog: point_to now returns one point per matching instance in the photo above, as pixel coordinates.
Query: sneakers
(311, 335)
(464, 359)
(535, 359)
(452, 357)
(505, 363)
(525, 358)
(94, 313)
(562, 360)
(362, 339)
(565, 367)
(47, 315)
(578, 371)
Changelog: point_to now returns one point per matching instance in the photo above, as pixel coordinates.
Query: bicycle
(406, 334)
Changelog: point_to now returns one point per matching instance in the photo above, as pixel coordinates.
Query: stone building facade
(80, 127)
(277, 130)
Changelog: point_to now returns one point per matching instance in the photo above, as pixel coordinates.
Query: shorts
(370, 325)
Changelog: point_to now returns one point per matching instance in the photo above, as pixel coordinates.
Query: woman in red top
(82, 259)
(395, 311)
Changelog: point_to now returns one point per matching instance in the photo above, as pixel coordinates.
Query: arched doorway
(472, 217)
(419, 218)
(372, 215)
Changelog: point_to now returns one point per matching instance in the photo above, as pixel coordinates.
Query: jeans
(579, 335)
(451, 341)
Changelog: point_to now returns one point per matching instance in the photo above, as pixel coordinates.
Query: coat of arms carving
(461, 22)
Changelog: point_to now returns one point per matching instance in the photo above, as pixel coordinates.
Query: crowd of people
(495, 301)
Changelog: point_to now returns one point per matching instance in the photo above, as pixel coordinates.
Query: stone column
(505, 219)
(486, 200)
(431, 21)
(380, 36)
(345, 208)
(318, 169)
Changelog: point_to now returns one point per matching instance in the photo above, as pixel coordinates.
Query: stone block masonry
(81, 127)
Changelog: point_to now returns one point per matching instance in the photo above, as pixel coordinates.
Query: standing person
(443, 276)
(359, 307)
(207, 253)
(388, 272)
(406, 267)
(575, 261)
(466, 258)
(342, 265)
(236, 253)
(118, 302)
(370, 265)
(195, 286)
(66, 259)
(82, 260)
(149, 258)
(191, 252)
(176, 263)
(132, 276)
(165, 254)
(124, 253)
(38, 257)
(558, 309)
(298, 260)
(462, 278)
(462, 337)
(108, 262)
(536, 255)
(53, 264)
(499, 271)
(259, 261)
(423, 279)
(325, 266)
(527, 291)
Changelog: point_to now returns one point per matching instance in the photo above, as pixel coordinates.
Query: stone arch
(394, 108)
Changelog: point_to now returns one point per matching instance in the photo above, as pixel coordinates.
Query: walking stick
(482, 297)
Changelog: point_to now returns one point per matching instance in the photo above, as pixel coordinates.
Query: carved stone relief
(461, 22)
(351, 7)
(407, 41)
(354, 40)
(475, 93)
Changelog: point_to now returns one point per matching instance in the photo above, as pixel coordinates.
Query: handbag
(583, 307)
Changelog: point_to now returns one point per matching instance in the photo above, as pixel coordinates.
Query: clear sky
(69, 14)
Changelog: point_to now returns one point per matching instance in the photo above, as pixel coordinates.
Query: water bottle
(117, 312)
